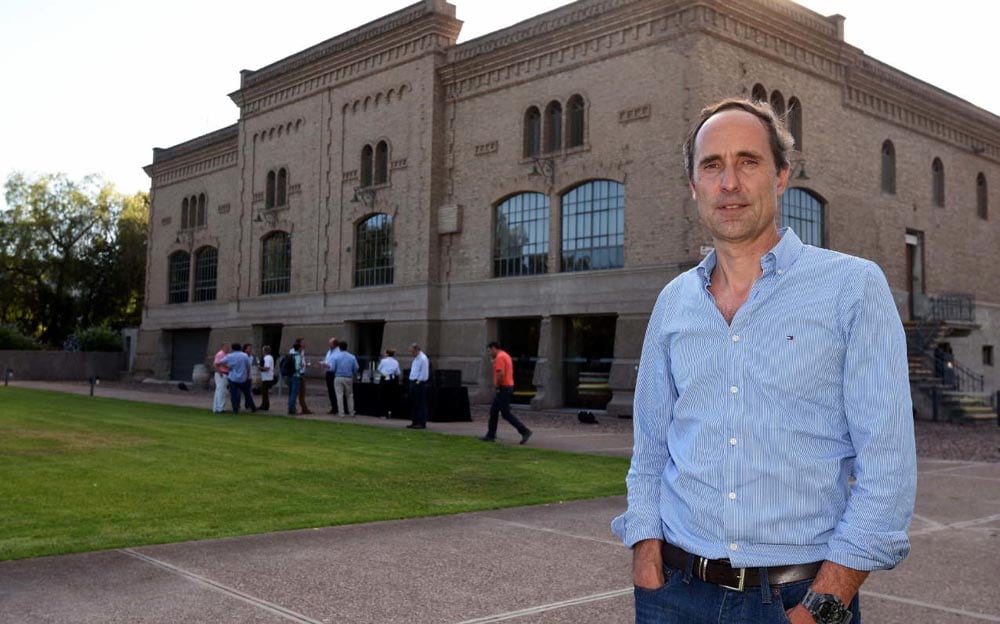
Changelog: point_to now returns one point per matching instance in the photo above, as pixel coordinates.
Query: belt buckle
(742, 580)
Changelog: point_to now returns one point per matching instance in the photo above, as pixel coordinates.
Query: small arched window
(802, 211)
(367, 155)
(206, 271)
(521, 235)
(888, 167)
(269, 191)
(276, 263)
(575, 112)
(373, 247)
(795, 121)
(184, 214)
(201, 210)
(381, 162)
(281, 190)
(937, 182)
(758, 93)
(553, 127)
(982, 197)
(178, 277)
(778, 103)
(532, 132)
(593, 226)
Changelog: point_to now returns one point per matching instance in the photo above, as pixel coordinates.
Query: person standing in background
(331, 389)
(221, 381)
(419, 375)
(345, 368)
(266, 378)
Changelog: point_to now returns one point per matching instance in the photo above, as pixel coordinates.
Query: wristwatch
(826, 608)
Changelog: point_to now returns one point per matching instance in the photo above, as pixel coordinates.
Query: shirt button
(734, 547)
(732, 441)
(732, 496)
(780, 272)
(734, 389)
(736, 338)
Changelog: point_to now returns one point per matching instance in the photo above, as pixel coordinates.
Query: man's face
(414, 351)
(227, 348)
(734, 179)
(332, 343)
(492, 351)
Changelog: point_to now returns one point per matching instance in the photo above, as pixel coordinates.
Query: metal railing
(954, 375)
(952, 307)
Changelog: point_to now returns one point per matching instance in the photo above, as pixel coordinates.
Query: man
(329, 360)
(294, 381)
(267, 379)
(771, 374)
(419, 375)
(503, 382)
(302, 376)
(239, 364)
(345, 367)
(221, 382)
(254, 367)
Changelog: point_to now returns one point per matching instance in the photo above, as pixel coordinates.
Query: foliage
(86, 473)
(72, 254)
(12, 338)
(99, 339)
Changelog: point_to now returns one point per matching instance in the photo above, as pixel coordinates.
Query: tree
(71, 255)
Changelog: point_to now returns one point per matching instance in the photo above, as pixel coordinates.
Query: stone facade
(452, 120)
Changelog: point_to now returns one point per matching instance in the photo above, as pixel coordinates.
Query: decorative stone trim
(634, 114)
(398, 164)
(276, 132)
(224, 208)
(258, 197)
(487, 148)
(294, 189)
(349, 175)
(166, 220)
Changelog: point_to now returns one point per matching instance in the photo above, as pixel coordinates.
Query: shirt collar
(779, 259)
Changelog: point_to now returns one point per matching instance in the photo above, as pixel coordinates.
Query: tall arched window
(269, 191)
(553, 126)
(206, 271)
(888, 167)
(184, 214)
(373, 246)
(575, 112)
(201, 210)
(178, 277)
(532, 132)
(982, 196)
(758, 93)
(381, 162)
(593, 226)
(937, 182)
(276, 263)
(795, 121)
(778, 103)
(281, 190)
(367, 157)
(802, 211)
(521, 235)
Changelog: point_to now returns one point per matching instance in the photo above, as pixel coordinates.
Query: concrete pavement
(553, 563)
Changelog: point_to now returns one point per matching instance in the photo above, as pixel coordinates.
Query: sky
(92, 86)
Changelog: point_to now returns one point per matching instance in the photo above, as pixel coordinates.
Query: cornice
(193, 165)
(229, 134)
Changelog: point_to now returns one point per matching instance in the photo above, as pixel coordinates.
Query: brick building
(389, 186)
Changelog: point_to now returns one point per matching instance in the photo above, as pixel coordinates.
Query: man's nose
(729, 180)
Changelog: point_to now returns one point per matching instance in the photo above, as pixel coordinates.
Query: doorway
(589, 354)
(519, 338)
(915, 274)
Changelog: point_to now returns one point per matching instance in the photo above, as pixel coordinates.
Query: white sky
(92, 86)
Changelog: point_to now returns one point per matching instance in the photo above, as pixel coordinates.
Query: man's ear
(782, 182)
(694, 194)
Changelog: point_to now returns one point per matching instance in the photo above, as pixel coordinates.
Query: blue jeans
(293, 391)
(501, 407)
(236, 388)
(685, 599)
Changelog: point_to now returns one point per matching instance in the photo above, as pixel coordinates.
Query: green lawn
(82, 473)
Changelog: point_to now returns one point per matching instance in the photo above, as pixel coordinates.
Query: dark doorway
(270, 335)
(589, 353)
(519, 338)
(368, 336)
(190, 347)
(915, 273)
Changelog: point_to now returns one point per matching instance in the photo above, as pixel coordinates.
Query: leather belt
(721, 572)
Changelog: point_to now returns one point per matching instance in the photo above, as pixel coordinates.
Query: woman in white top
(388, 367)
(266, 378)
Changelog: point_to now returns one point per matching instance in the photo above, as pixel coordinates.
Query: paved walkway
(554, 563)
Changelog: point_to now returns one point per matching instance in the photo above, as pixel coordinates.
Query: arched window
(778, 103)
(795, 121)
(381, 162)
(184, 214)
(593, 226)
(937, 182)
(575, 109)
(802, 211)
(553, 127)
(982, 197)
(888, 167)
(201, 210)
(276, 263)
(206, 263)
(281, 191)
(521, 235)
(366, 165)
(178, 277)
(269, 191)
(759, 93)
(373, 247)
(532, 132)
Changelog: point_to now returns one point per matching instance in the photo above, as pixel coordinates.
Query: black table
(443, 404)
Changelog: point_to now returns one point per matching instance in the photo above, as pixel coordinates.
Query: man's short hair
(236, 346)
(780, 139)
(343, 345)
(390, 352)
(493, 345)
(415, 346)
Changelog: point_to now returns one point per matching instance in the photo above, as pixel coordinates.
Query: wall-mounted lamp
(544, 167)
(364, 196)
(270, 216)
(978, 149)
(184, 237)
(798, 170)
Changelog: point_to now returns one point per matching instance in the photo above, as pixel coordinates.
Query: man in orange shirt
(503, 381)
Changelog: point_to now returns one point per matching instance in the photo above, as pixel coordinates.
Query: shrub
(12, 338)
(98, 339)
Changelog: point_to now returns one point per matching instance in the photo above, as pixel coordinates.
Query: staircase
(955, 392)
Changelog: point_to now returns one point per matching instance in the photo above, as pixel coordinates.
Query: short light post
(94, 381)
(7, 375)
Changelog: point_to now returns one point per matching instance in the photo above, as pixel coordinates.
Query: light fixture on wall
(544, 167)
(184, 237)
(364, 196)
(270, 216)
(798, 170)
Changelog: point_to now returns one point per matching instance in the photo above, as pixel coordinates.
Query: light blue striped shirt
(746, 435)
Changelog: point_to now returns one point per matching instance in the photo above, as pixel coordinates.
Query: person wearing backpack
(291, 370)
